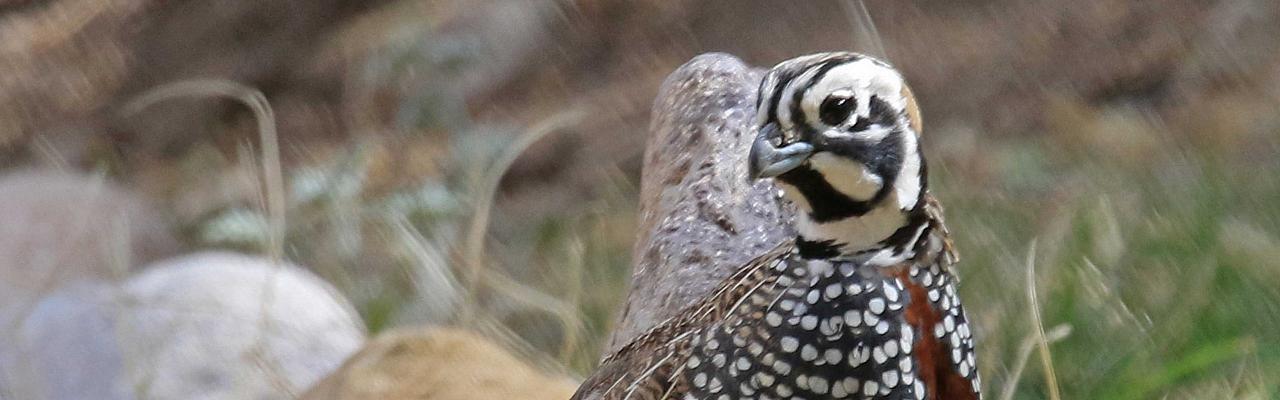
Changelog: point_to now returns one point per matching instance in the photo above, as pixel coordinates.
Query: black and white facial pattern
(866, 175)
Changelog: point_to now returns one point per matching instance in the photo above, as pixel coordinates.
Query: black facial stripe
(880, 113)
(827, 203)
(904, 234)
(810, 249)
(784, 78)
(922, 240)
(798, 118)
(786, 75)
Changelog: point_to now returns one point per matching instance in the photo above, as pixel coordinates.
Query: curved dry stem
(1030, 343)
(271, 191)
(1042, 341)
(272, 176)
(473, 245)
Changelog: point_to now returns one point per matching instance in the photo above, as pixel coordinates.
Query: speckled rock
(204, 326)
(58, 228)
(438, 364)
(701, 217)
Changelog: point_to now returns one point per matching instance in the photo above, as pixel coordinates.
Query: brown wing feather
(646, 364)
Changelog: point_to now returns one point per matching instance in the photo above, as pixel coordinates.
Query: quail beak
(767, 160)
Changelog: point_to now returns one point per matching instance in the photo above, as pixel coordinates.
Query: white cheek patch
(907, 186)
(847, 176)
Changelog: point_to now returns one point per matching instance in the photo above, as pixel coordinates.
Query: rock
(204, 326)
(438, 364)
(701, 217)
(58, 228)
(65, 349)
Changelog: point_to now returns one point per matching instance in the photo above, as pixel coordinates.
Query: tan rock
(438, 364)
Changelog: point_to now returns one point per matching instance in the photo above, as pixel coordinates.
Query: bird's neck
(884, 236)
(843, 217)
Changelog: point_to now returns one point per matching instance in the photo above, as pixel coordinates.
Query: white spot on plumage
(853, 318)
(890, 292)
(838, 391)
(870, 318)
(764, 379)
(818, 384)
(870, 388)
(890, 378)
(693, 362)
(850, 384)
(908, 338)
(832, 356)
(808, 353)
(784, 391)
(782, 367)
(876, 305)
(858, 356)
(773, 319)
(882, 327)
(833, 291)
(790, 344)
(809, 322)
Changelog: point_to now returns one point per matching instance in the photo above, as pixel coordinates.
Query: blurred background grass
(1130, 152)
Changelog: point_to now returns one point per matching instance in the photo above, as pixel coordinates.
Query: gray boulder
(205, 326)
(59, 228)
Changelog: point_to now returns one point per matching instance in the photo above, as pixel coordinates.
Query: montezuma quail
(862, 303)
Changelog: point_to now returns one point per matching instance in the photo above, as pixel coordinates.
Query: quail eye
(836, 109)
